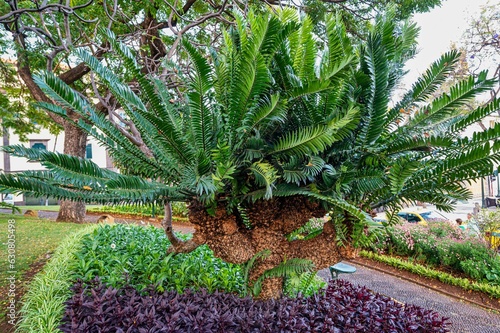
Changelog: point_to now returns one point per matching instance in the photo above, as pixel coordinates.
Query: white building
(50, 142)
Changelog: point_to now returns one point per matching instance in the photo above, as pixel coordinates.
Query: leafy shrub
(43, 303)
(488, 221)
(441, 244)
(136, 256)
(343, 308)
(487, 287)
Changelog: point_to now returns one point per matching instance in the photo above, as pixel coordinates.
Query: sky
(439, 28)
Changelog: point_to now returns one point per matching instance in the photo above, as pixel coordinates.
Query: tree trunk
(6, 156)
(271, 221)
(75, 142)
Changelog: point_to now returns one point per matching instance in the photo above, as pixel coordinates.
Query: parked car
(413, 216)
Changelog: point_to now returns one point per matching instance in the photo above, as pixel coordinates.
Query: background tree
(271, 133)
(43, 34)
(482, 43)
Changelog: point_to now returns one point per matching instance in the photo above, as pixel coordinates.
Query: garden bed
(476, 297)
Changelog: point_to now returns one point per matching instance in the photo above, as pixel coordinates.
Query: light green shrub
(43, 303)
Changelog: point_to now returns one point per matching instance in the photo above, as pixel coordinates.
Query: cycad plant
(274, 128)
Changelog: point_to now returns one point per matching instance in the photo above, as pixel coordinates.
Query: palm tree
(270, 133)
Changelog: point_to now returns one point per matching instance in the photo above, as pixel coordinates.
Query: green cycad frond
(339, 45)
(43, 183)
(426, 85)
(446, 174)
(302, 170)
(479, 138)
(69, 167)
(304, 141)
(265, 175)
(303, 50)
(310, 88)
(286, 268)
(156, 132)
(377, 95)
(125, 95)
(247, 69)
(470, 164)
(475, 115)
(431, 80)
(200, 113)
(61, 93)
(401, 143)
(449, 105)
(268, 111)
(315, 139)
(118, 145)
(399, 172)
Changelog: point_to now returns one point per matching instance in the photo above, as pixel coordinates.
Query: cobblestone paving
(464, 317)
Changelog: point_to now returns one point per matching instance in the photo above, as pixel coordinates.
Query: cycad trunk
(75, 142)
(271, 221)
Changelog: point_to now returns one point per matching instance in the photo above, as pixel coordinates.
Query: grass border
(43, 303)
(421, 270)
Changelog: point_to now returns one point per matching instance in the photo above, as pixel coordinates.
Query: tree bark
(6, 156)
(271, 221)
(177, 245)
(75, 142)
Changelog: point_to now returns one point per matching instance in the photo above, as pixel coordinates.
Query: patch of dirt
(21, 287)
(475, 297)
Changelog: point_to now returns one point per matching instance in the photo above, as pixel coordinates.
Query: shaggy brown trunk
(75, 141)
(270, 221)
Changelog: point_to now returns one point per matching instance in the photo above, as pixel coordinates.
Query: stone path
(464, 317)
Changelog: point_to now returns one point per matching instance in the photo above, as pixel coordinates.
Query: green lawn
(33, 239)
(52, 208)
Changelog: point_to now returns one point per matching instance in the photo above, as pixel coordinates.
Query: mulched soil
(475, 297)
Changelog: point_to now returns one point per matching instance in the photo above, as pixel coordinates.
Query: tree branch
(178, 245)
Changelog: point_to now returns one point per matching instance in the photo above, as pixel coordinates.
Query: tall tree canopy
(270, 132)
(482, 43)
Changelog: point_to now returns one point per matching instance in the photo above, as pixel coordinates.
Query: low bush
(488, 288)
(179, 210)
(342, 308)
(137, 256)
(43, 304)
(441, 244)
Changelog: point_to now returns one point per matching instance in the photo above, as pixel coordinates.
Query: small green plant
(136, 256)
(43, 304)
(306, 284)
